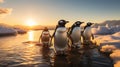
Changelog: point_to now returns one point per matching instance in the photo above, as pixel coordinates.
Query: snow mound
(114, 29)
(103, 30)
(117, 64)
(117, 34)
(108, 48)
(115, 56)
(113, 39)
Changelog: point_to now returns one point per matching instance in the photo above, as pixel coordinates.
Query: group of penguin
(62, 36)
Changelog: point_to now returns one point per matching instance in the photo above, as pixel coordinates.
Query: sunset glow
(30, 22)
(49, 12)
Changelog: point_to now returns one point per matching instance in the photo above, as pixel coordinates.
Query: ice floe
(8, 30)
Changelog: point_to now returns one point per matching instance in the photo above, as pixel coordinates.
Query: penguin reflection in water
(45, 37)
(87, 33)
(60, 38)
(74, 33)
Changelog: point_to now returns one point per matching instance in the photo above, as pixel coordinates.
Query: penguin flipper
(92, 37)
(55, 31)
(72, 29)
(40, 37)
(68, 32)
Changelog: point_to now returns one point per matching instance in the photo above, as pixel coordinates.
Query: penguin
(60, 38)
(45, 37)
(75, 34)
(87, 33)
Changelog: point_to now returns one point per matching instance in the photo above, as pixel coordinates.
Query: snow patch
(113, 39)
(117, 64)
(115, 56)
(107, 48)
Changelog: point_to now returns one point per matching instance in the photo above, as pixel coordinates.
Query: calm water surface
(17, 51)
(14, 52)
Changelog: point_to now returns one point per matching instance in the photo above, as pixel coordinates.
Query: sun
(30, 22)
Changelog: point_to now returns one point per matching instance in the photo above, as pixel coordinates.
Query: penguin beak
(82, 22)
(67, 21)
(92, 23)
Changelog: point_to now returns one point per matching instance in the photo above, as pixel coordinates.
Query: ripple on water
(22, 55)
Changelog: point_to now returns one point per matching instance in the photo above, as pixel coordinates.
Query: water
(14, 52)
(17, 51)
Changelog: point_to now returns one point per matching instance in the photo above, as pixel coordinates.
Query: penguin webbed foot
(75, 46)
(61, 53)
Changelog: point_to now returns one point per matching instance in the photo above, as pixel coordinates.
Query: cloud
(5, 11)
(1, 1)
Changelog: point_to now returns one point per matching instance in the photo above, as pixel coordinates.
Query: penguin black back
(88, 25)
(76, 24)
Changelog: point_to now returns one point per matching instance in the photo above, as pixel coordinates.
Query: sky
(49, 12)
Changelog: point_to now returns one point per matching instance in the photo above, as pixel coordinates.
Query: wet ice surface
(20, 52)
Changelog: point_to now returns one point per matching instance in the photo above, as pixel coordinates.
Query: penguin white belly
(45, 37)
(76, 34)
(87, 33)
(60, 39)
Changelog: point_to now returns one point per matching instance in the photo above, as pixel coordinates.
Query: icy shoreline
(109, 41)
(110, 44)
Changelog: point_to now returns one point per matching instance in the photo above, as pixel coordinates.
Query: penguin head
(45, 29)
(62, 22)
(89, 24)
(78, 23)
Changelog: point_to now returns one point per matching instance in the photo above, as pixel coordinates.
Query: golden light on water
(30, 35)
(29, 53)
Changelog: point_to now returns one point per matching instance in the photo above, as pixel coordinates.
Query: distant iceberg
(20, 31)
(8, 30)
